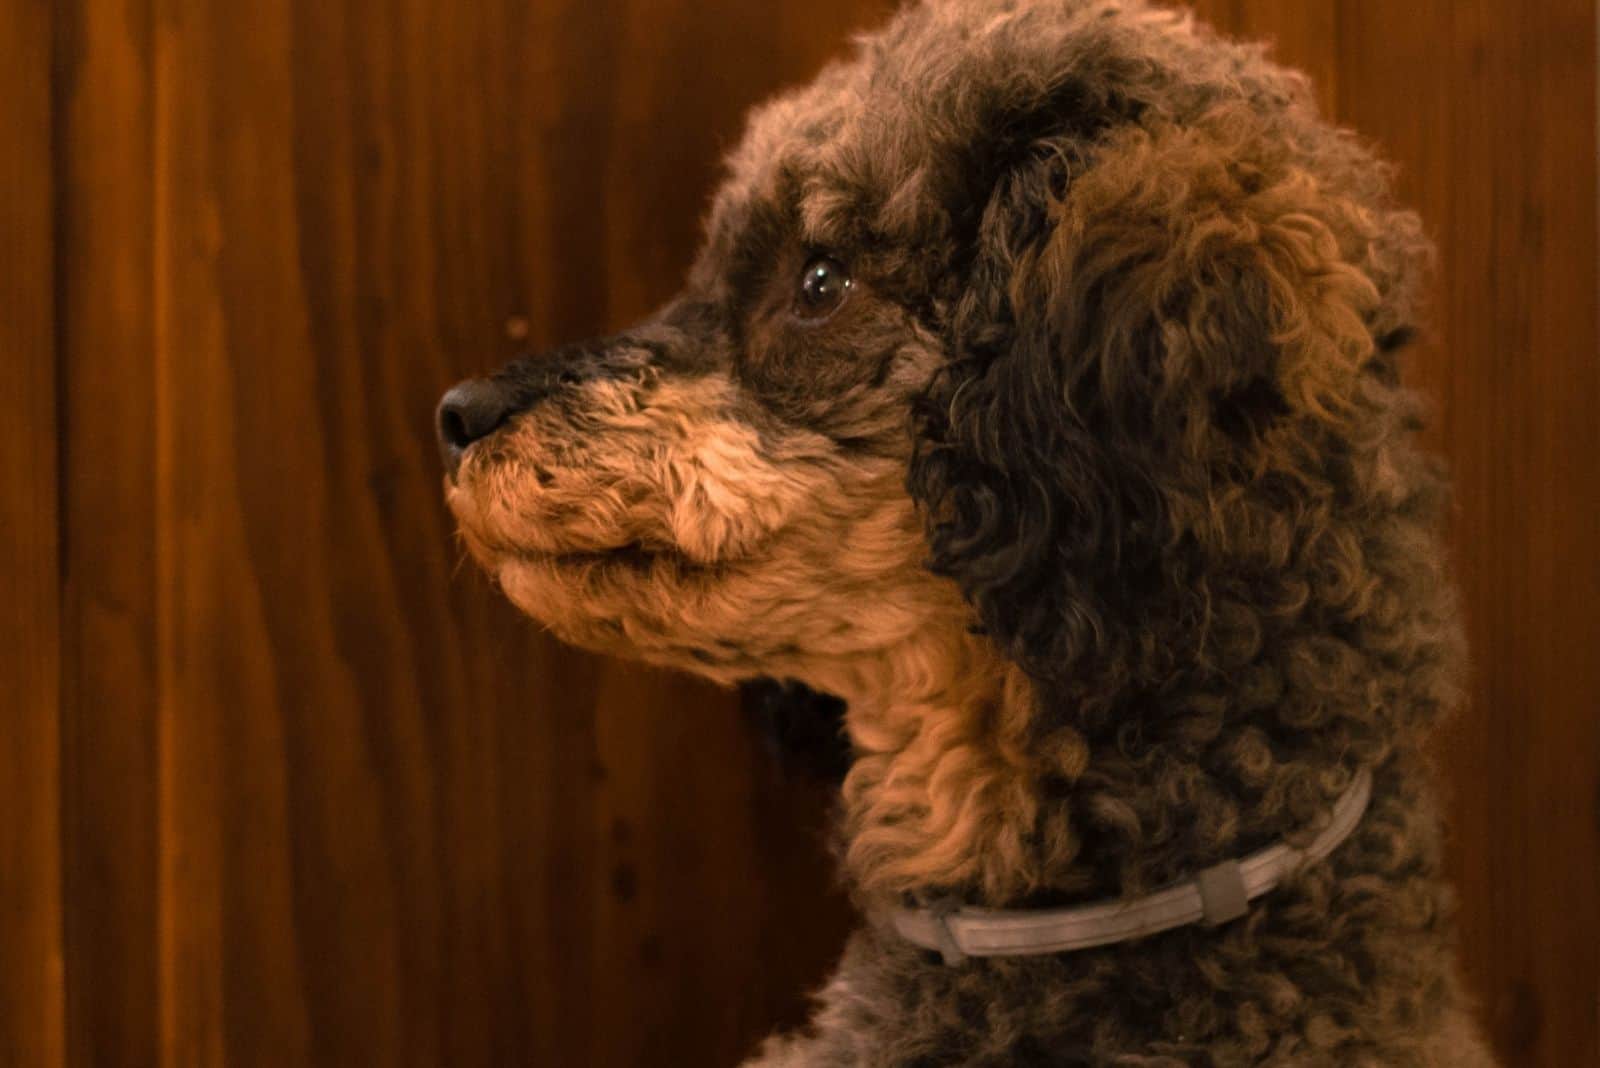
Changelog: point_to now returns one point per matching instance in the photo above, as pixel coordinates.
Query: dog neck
(943, 788)
(964, 787)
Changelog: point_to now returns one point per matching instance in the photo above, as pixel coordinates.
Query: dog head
(720, 488)
(1062, 323)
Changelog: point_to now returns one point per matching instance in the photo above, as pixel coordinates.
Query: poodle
(1036, 393)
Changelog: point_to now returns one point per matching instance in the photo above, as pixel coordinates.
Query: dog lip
(632, 558)
(633, 555)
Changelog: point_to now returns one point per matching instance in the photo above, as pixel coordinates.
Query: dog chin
(628, 603)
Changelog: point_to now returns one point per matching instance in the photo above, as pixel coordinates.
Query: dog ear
(1164, 358)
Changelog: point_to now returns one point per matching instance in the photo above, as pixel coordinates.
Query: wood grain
(32, 988)
(111, 420)
(296, 787)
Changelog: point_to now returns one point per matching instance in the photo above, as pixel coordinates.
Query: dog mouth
(631, 556)
(634, 558)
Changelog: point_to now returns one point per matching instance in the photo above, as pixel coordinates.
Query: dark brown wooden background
(282, 783)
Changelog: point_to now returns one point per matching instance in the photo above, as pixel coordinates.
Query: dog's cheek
(726, 496)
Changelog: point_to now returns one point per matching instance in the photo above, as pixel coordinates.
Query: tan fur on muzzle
(662, 526)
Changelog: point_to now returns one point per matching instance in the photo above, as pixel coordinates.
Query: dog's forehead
(879, 127)
(859, 132)
(877, 138)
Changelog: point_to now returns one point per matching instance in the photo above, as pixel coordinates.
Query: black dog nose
(471, 410)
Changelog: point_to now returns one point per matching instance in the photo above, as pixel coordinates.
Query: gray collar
(1221, 893)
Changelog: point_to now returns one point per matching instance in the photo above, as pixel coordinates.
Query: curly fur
(1097, 501)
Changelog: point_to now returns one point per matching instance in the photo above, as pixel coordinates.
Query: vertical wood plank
(1490, 111)
(32, 995)
(109, 590)
(213, 793)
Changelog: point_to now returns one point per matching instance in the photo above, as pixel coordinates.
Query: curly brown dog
(1036, 392)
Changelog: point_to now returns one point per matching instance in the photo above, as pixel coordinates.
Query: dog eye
(823, 287)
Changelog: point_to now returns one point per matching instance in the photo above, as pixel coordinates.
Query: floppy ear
(1163, 370)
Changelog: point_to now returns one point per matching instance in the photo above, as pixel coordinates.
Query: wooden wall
(282, 782)
(32, 982)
